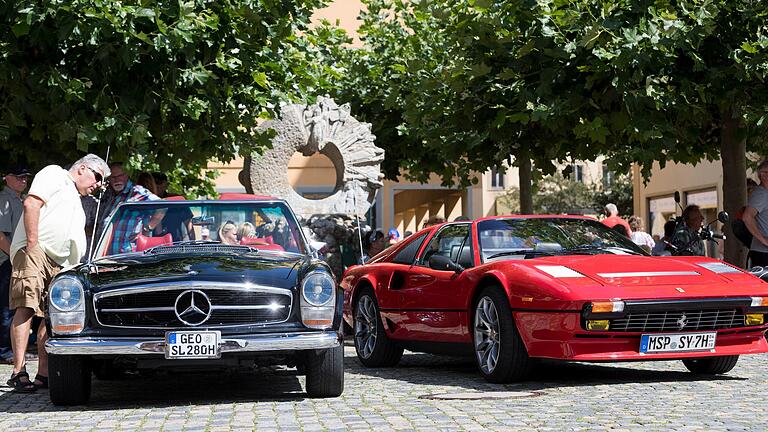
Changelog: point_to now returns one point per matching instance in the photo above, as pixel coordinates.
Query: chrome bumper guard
(144, 346)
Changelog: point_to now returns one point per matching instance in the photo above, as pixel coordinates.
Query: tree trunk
(526, 179)
(733, 149)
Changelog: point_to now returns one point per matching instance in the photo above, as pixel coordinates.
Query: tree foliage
(559, 194)
(467, 83)
(169, 85)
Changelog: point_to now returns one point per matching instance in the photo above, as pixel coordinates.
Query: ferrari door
(433, 302)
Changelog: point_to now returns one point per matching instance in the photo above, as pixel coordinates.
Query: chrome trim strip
(150, 346)
(252, 307)
(184, 285)
(171, 309)
(146, 309)
(642, 274)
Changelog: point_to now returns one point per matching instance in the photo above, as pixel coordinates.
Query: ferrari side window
(448, 242)
(407, 254)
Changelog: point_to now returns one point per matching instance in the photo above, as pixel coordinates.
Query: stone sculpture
(329, 129)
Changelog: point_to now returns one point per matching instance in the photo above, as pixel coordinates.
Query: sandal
(21, 386)
(43, 382)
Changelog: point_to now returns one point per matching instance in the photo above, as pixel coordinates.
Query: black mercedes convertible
(191, 285)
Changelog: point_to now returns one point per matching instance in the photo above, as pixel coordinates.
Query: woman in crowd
(639, 236)
(228, 233)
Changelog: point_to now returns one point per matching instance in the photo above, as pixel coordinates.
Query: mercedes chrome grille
(198, 304)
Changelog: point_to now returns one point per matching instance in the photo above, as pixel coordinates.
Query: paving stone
(631, 397)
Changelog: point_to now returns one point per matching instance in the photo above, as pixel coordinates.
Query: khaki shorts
(32, 272)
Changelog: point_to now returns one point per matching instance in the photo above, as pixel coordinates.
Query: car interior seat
(144, 242)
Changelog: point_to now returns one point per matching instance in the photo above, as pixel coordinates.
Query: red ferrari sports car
(514, 288)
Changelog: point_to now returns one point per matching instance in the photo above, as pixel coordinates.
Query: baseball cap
(19, 171)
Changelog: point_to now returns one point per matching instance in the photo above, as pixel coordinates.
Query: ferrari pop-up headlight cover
(318, 300)
(66, 305)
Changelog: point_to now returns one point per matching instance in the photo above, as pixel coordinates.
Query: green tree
(169, 85)
(559, 194)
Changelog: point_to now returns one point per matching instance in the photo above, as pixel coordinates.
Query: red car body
(432, 310)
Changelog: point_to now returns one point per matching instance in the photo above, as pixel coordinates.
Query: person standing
(10, 214)
(121, 189)
(50, 235)
(612, 218)
(686, 239)
(640, 237)
(756, 218)
(661, 247)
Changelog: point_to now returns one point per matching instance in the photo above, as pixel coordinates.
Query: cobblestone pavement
(424, 393)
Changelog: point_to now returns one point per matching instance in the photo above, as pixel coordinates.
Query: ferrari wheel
(711, 365)
(373, 347)
(499, 350)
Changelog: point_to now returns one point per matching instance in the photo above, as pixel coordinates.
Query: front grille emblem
(192, 307)
(682, 322)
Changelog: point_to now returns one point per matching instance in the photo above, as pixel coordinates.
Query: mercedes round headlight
(66, 301)
(318, 288)
(66, 294)
(318, 300)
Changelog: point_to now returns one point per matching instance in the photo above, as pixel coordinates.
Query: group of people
(680, 238)
(50, 228)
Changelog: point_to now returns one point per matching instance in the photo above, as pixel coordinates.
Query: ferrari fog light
(607, 307)
(598, 324)
(759, 302)
(754, 319)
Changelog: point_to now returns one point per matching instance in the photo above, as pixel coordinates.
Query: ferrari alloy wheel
(374, 348)
(711, 365)
(487, 335)
(500, 353)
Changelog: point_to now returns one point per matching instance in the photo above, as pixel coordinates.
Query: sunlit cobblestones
(618, 397)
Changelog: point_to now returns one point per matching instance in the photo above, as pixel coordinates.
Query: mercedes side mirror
(440, 262)
(723, 216)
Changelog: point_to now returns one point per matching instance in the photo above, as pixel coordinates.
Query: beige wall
(702, 181)
(345, 12)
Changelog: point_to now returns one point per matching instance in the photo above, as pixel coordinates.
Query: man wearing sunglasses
(10, 214)
(50, 235)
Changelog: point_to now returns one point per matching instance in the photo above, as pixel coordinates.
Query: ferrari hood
(632, 270)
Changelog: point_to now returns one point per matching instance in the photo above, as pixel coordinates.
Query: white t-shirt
(641, 238)
(61, 229)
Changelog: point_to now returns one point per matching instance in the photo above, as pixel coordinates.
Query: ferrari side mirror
(440, 262)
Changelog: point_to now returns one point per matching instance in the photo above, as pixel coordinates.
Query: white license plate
(192, 344)
(677, 342)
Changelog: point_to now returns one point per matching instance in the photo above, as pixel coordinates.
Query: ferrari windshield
(527, 237)
(136, 227)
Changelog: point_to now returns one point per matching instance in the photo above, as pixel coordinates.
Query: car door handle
(420, 278)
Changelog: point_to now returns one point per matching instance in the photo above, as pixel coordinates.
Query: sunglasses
(97, 175)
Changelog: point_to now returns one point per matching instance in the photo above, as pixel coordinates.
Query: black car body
(190, 303)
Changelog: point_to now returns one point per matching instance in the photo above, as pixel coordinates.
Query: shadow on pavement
(167, 390)
(427, 369)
